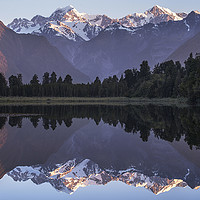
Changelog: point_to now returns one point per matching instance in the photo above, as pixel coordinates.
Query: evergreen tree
(35, 80)
(3, 85)
(168, 79)
(34, 86)
(15, 84)
(59, 81)
(129, 78)
(68, 79)
(46, 79)
(53, 78)
(96, 87)
(145, 70)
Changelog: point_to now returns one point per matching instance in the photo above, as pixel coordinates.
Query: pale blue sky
(11, 9)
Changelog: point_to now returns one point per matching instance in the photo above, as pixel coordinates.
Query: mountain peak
(193, 14)
(68, 12)
(167, 14)
(158, 7)
(197, 12)
(160, 10)
(65, 9)
(2, 24)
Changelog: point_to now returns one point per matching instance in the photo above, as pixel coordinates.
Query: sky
(10, 9)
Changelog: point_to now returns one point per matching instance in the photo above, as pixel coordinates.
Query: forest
(167, 80)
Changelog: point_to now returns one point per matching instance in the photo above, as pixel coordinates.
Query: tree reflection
(2, 122)
(165, 122)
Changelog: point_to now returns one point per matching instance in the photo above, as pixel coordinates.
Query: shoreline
(179, 102)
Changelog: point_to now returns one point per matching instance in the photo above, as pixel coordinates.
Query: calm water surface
(99, 152)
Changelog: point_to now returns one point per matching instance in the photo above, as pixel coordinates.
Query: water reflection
(74, 146)
(167, 123)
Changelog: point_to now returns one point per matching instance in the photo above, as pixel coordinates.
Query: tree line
(167, 79)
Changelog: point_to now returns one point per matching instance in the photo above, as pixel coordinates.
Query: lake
(99, 152)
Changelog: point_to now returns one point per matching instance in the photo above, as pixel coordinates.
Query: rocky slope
(30, 54)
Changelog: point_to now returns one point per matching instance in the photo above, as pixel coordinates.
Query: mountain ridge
(68, 15)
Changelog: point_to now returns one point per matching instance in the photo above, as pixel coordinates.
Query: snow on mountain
(67, 22)
(23, 25)
(99, 20)
(154, 15)
(56, 28)
(118, 26)
(73, 175)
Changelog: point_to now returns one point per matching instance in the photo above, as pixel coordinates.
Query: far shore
(180, 102)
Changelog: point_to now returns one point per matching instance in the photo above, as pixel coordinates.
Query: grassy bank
(90, 101)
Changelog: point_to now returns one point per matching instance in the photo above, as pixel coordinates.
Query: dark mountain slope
(190, 46)
(30, 54)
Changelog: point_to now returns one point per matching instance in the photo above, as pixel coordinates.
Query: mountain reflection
(72, 175)
(75, 146)
(167, 123)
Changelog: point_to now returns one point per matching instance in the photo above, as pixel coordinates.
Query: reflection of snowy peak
(70, 176)
(69, 23)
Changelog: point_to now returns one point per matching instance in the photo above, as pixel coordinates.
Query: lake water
(99, 152)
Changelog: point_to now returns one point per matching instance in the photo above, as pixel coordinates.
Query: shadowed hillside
(29, 54)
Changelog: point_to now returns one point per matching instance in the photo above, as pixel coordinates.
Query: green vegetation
(167, 80)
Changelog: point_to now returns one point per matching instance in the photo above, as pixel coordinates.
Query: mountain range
(71, 24)
(98, 45)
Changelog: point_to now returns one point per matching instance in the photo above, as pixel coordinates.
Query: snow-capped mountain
(73, 175)
(100, 20)
(69, 23)
(119, 47)
(154, 15)
(65, 22)
(113, 45)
